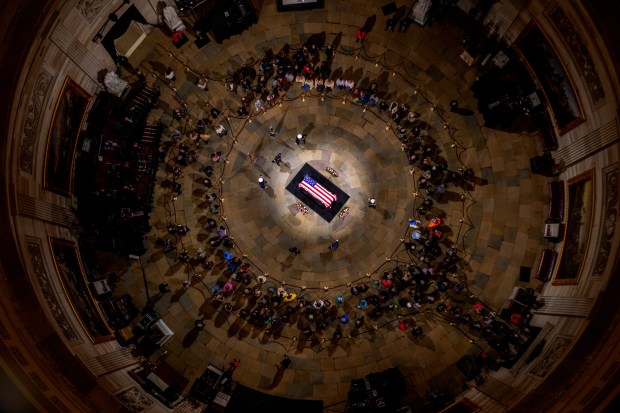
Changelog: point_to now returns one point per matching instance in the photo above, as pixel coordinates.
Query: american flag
(317, 191)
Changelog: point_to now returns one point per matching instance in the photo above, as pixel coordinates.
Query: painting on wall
(63, 137)
(578, 228)
(70, 271)
(548, 69)
(580, 51)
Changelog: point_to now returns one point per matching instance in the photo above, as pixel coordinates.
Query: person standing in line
(300, 138)
(329, 52)
(261, 182)
(404, 24)
(360, 35)
(441, 190)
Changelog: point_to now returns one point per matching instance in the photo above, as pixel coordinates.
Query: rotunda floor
(496, 224)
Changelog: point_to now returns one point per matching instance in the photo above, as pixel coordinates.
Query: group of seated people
(403, 290)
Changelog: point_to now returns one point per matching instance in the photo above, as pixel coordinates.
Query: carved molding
(33, 117)
(61, 406)
(580, 51)
(4, 333)
(590, 144)
(19, 356)
(565, 306)
(34, 248)
(555, 352)
(110, 362)
(134, 400)
(38, 381)
(610, 215)
(90, 9)
(44, 211)
(78, 53)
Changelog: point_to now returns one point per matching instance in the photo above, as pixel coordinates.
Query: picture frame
(578, 230)
(70, 271)
(540, 56)
(64, 131)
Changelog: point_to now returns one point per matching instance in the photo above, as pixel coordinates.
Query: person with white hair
(300, 138)
(170, 74)
(220, 130)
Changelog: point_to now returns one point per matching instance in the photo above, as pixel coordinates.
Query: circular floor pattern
(371, 159)
(368, 165)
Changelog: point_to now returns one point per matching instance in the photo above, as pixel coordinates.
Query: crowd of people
(310, 67)
(424, 282)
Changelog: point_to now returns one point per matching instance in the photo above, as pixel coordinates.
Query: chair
(546, 266)
(556, 201)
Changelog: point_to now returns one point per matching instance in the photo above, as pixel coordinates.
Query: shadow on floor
(277, 378)
(190, 337)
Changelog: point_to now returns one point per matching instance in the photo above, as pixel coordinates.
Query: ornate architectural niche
(90, 9)
(134, 399)
(605, 250)
(47, 290)
(33, 119)
(552, 355)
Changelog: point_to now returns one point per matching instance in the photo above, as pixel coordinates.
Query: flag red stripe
(325, 192)
(315, 192)
(319, 193)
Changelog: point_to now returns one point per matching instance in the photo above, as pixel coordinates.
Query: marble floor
(496, 224)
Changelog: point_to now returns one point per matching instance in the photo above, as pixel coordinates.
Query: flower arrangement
(343, 214)
(332, 171)
(301, 208)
